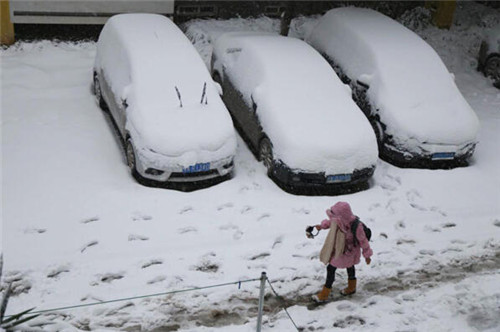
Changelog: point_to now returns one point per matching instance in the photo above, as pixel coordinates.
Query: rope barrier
(140, 297)
(286, 311)
(263, 278)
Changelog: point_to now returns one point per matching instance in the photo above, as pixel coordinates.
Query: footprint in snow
(496, 223)
(301, 211)
(430, 229)
(400, 225)
(136, 237)
(186, 209)
(56, 272)
(451, 249)
(405, 241)
(230, 227)
(156, 280)
(89, 220)
(349, 322)
(263, 216)
(35, 231)
(88, 245)
(374, 206)
(246, 209)
(260, 256)
(345, 307)
(388, 187)
(151, 263)
(427, 252)
(394, 178)
(438, 210)
(185, 230)
(448, 225)
(141, 217)
(237, 235)
(110, 277)
(390, 205)
(225, 206)
(412, 195)
(277, 243)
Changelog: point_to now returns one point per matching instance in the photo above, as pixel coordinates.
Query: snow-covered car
(489, 55)
(417, 112)
(168, 111)
(294, 112)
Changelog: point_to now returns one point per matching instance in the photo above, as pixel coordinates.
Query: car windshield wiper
(204, 94)
(178, 95)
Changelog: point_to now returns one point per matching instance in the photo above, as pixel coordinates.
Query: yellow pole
(442, 12)
(6, 26)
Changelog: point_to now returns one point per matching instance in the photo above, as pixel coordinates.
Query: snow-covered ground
(78, 229)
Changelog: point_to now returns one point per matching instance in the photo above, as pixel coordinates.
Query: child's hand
(368, 261)
(318, 227)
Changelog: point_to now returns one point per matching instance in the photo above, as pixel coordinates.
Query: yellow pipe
(6, 26)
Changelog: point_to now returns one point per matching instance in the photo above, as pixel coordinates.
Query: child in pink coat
(341, 214)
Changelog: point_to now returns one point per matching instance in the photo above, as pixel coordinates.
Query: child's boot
(351, 287)
(323, 295)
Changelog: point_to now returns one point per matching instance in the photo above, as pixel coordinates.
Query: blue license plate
(443, 156)
(338, 178)
(200, 167)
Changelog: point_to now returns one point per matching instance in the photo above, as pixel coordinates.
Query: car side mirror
(219, 88)
(363, 85)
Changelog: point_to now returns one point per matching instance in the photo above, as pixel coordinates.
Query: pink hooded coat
(341, 214)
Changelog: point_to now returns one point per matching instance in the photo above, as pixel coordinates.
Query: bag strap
(354, 228)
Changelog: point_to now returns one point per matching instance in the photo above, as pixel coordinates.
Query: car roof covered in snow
(302, 105)
(409, 83)
(152, 65)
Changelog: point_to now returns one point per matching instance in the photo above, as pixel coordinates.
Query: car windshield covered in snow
(300, 104)
(406, 83)
(162, 98)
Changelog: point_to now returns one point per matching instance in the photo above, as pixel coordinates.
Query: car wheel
(98, 94)
(492, 67)
(130, 154)
(266, 153)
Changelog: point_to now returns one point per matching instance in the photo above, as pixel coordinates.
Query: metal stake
(263, 278)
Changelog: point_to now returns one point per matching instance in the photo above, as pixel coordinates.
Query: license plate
(338, 178)
(200, 167)
(443, 156)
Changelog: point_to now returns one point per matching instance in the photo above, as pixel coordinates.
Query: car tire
(98, 94)
(492, 67)
(131, 158)
(266, 153)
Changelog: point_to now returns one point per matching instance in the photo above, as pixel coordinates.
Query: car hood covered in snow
(409, 85)
(302, 105)
(173, 104)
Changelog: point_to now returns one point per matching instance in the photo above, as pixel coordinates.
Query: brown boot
(323, 295)
(351, 287)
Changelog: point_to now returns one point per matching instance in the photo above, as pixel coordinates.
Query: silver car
(166, 107)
